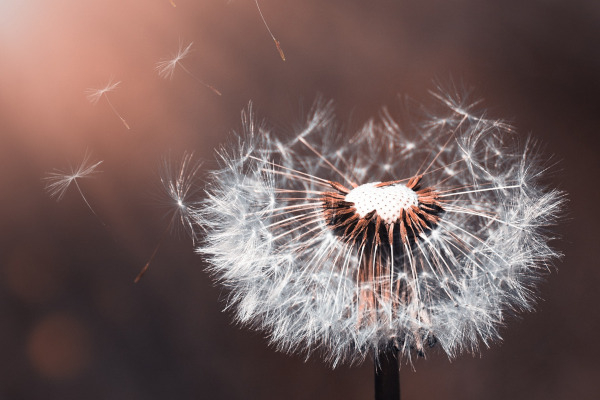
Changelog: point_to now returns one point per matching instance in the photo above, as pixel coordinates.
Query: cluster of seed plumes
(347, 244)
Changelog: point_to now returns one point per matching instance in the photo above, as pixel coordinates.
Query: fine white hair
(291, 275)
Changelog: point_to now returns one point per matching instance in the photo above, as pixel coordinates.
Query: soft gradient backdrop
(72, 323)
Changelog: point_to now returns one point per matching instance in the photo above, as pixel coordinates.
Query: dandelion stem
(387, 375)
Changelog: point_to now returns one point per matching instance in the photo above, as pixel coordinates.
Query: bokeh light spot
(59, 347)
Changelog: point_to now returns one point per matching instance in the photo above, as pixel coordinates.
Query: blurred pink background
(72, 323)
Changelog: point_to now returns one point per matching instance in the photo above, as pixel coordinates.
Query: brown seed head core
(382, 212)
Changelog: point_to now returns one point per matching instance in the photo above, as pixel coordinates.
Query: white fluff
(291, 276)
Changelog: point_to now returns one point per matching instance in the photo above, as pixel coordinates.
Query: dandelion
(181, 190)
(94, 95)
(166, 68)
(391, 241)
(277, 44)
(59, 181)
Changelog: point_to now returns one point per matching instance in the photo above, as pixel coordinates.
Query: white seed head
(388, 201)
(414, 238)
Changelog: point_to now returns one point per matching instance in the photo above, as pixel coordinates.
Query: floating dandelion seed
(386, 242)
(181, 189)
(59, 181)
(277, 44)
(166, 68)
(94, 95)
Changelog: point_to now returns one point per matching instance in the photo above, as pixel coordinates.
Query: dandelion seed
(182, 194)
(388, 240)
(277, 44)
(94, 95)
(166, 68)
(172, 3)
(59, 181)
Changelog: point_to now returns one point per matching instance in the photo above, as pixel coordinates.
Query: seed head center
(387, 201)
(382, 211)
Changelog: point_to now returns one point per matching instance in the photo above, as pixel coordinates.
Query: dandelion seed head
(166, 68)
(58, 181)
(421, 237)
(180, 183)
(94, 95)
